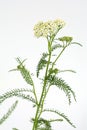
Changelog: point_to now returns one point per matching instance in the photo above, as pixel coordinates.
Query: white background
(17, 19)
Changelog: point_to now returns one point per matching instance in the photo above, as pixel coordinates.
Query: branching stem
(43, 94)
(44, 91)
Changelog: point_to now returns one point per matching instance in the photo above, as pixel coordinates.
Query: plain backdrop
(17, 19)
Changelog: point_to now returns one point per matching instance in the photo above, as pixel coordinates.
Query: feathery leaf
(60, 114)
(42, 63)
(60, 83)
(43, 124)
(17, 93)
(24, 72)
(10, 110)
(56, 46)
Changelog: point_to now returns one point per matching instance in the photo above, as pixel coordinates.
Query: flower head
(48, 28)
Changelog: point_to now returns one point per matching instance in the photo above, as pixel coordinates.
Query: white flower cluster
(48, 28)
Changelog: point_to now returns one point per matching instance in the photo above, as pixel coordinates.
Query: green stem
(41, 101)
(44, 93)
(35, 94)
(58, 57)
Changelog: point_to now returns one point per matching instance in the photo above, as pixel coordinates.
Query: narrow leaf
(76, 43)
(42, 63)
(14, 129)
(24, 72)
(10, 110)
(60, 114)
(55, 120)
(17, 93)
(61, 84)
(59, 71)
(56, 46)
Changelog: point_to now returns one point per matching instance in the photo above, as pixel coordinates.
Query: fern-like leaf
(56, 46)
(60, 114)
(11, 109)
(43, 124)
(61, 84)
(24, 72)
(41, 64)
(17, 93)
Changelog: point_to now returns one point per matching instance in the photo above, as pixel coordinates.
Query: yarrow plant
(49, 77)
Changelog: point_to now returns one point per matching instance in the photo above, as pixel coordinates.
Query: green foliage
(14, 129)
(61, 84)
(27, 77)
(53, 71)
(59, 114)
(9, 112)
(49, 76)
(43, 124)
(66, 39)
(24, 72)
(42, 63)
(66, 71)
(76, 43)
(56, 46)
(17, 93)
